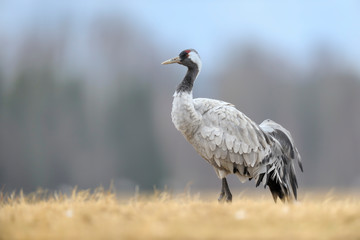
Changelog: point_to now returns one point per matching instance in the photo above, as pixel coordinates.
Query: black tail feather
(293, 181)
(278, 189)
(261, 177)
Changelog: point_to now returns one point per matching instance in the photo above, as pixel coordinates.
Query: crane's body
(230, 141)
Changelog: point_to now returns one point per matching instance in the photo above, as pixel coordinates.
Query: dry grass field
(104, 215)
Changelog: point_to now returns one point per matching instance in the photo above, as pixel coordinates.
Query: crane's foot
(221, 197)
(229, 198)
(225, 193)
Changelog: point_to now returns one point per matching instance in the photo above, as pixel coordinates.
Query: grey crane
(230, 141)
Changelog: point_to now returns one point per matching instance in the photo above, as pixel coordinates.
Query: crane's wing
(229, 140)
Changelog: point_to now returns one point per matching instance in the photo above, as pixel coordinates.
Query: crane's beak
(172, 60)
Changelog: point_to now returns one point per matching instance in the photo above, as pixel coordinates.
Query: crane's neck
(187, 83)
(184, 116)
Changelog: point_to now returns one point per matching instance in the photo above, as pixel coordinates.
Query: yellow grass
(103, 215)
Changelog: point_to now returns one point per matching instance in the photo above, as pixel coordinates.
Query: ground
(105, 215)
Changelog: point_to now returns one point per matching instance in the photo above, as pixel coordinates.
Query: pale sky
(211, 27)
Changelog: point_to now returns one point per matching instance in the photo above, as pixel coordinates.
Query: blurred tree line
(84, 108)
(54, 130)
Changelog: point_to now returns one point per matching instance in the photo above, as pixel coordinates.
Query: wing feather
(229, 135)
(237, 145)
(217, 161)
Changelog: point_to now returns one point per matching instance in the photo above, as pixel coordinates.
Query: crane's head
(189, 58)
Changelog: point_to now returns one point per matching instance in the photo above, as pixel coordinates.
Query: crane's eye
(184, 54)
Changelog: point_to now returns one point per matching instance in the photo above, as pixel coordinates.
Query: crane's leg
(225, 191)
(222, 193)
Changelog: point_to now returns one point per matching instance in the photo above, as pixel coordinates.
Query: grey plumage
(230, 141)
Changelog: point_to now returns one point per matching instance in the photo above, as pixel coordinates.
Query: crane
(230, 141)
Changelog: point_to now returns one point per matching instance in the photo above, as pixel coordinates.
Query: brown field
(104, 215)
